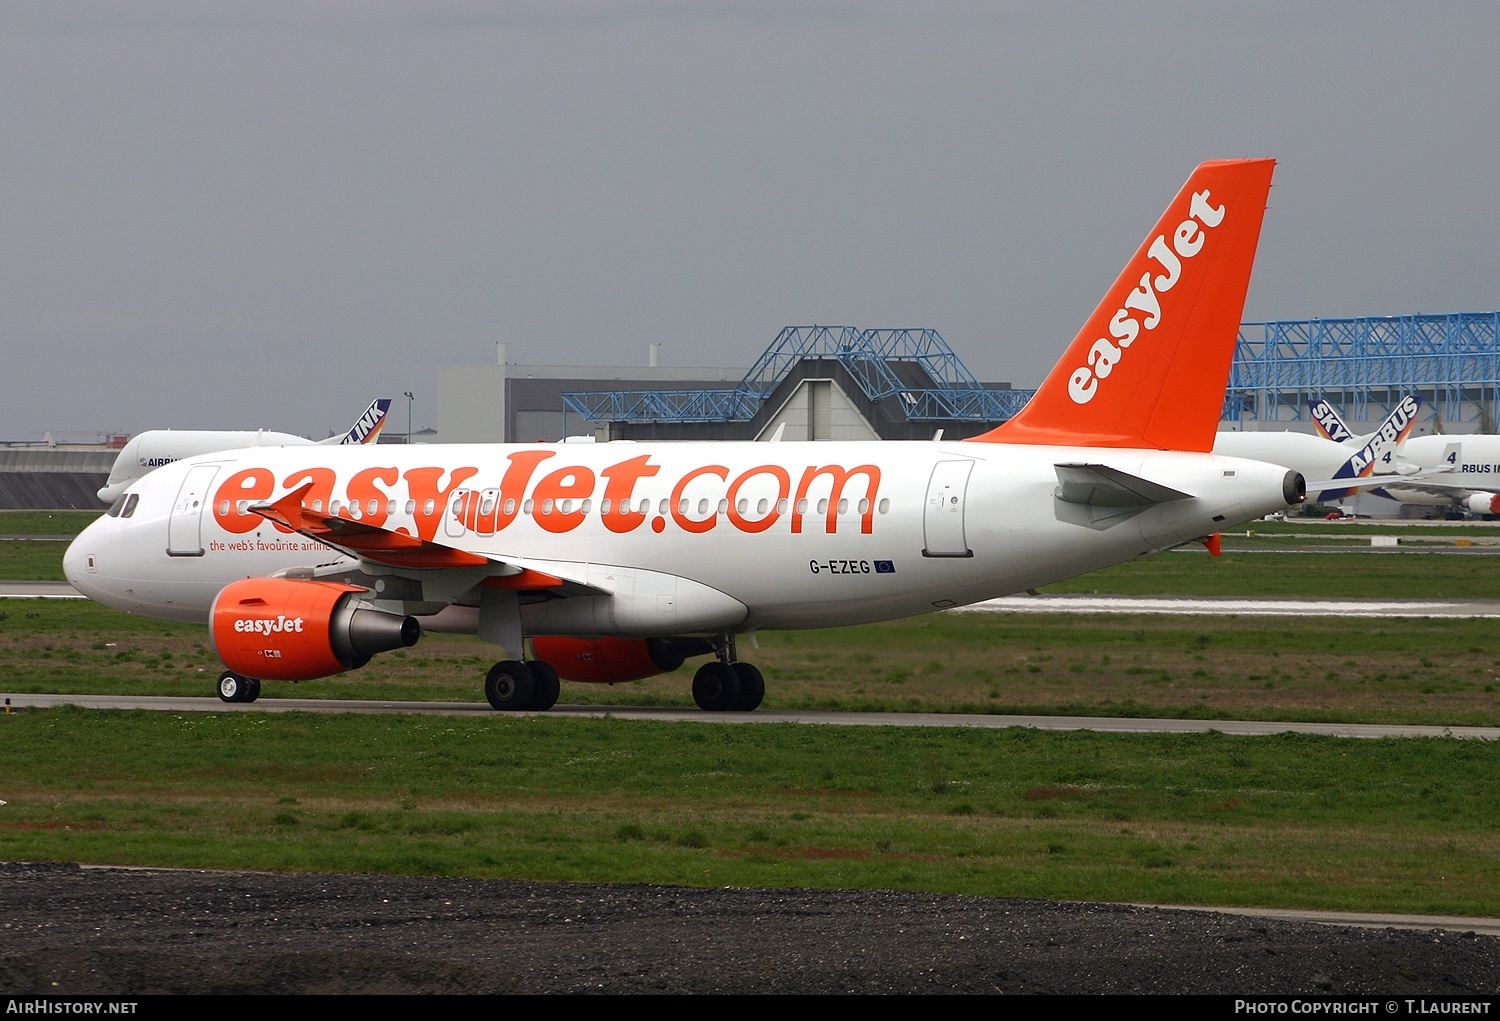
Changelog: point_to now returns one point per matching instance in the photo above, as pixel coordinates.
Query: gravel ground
(66, 930)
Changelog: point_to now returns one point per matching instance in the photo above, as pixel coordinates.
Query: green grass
(1394, 825)
(1365, 575)
(1434, 671)
(31, 559)
(59, 522)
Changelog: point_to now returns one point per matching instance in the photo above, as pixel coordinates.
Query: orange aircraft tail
(1150, 367)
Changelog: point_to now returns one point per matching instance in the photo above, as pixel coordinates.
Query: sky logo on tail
(1326, 417)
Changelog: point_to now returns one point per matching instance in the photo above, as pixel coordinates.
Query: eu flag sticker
(885, 567)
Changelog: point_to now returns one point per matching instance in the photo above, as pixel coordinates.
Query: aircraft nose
(80, 561)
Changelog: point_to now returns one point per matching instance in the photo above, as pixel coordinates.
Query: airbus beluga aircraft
(1459, 473)
(156, 447)
(615, 561)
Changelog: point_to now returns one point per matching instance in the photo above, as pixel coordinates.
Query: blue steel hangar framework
(1362, 364)
(1365, 364)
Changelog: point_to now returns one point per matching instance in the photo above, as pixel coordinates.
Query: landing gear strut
(727, 685)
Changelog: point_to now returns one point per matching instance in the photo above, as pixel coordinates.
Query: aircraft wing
(366, 542)
(372, 544)
(1438, 486)
(1440, 482)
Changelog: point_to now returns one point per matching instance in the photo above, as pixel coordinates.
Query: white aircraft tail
(1329, 423)
(1380, 451)
(367, 427)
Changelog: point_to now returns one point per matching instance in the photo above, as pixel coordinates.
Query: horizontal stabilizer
(1099, 485)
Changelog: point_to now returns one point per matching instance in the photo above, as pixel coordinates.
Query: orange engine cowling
(1484, 503)
(607, 660)
(284, 630)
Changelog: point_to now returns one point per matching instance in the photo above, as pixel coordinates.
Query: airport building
(1364, 366)
(56, 476)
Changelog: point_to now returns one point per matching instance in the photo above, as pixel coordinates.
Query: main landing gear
(235, 687)
(513, 685)
(726, 684)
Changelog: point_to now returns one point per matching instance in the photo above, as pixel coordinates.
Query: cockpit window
(124, 505)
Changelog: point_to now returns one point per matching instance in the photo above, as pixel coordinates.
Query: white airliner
(614, 561)
(1458, 472)
(1360, 460)
(156, 447)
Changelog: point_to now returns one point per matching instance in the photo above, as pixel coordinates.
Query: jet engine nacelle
(609, 660)
(289, 630)
(1483, 503)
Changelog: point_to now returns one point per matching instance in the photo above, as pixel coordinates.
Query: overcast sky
(242, 215)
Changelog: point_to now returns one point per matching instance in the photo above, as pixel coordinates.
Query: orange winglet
(380, 545)
(1150, 366)
(1211, 542)
(527, 579)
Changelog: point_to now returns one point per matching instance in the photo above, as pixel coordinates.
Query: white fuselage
(717, 537)
(155, 448)
(1313, 456)
(1478, 461)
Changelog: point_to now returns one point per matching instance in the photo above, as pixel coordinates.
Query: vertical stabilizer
(1380, 453)
(366, 428)
(1327, 420)
(1150, 367)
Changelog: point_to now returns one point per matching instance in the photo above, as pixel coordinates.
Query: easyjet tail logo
(1142, 306)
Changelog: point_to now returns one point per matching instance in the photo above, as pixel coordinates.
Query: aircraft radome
(615, 561)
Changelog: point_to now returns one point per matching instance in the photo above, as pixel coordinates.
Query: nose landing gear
(235, 687)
